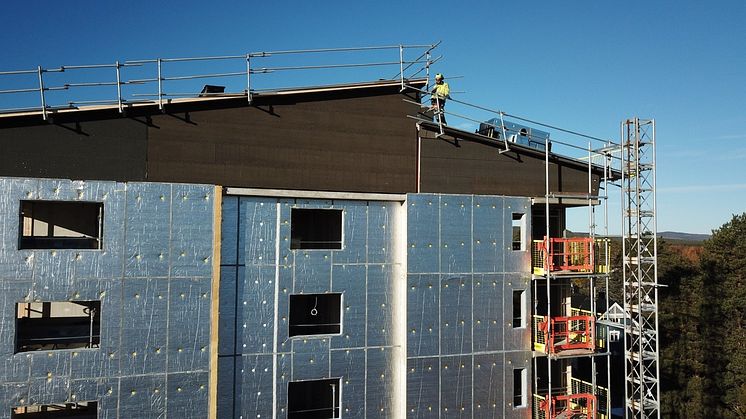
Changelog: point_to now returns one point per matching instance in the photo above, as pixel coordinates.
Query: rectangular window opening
(519, 386)
(61, 225)
(79, 410)
(314, 399)
(519, 231)
(519, 307)
(53, 325)
(312, 228)
(315, 314)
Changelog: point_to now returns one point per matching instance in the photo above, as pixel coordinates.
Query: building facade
(314, 254)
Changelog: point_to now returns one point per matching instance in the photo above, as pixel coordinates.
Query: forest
(702, 324)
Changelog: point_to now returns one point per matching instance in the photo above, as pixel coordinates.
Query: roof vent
(210, 90)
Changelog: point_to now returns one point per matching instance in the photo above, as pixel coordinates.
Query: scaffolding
(640, 269)
(562, 260)
(562, 333)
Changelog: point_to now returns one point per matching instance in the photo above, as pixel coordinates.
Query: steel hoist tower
(640, 269)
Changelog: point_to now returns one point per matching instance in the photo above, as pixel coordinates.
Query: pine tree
(684, 381)
(724, 267)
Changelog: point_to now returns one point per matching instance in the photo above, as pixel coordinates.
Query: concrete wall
(152, 277)
(461, 273)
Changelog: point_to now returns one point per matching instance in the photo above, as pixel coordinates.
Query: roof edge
(222, 100)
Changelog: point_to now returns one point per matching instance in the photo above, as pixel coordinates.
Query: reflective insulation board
(455, 234)
(103, 390)
(151, 275)
(461, 272)
(423, 387)
(254, 381)
(517, 336)
(456, 386)
(350, 280)
(348, 363)
(379, 382)
(380, 232)
(423, 314)
(488, 234)
(380, 305)
(270, 266)
(423, 233)
(488, 385)
(148, 230)
(455, 314)
(513, 361)
(255, 311)
(142, 396)
(488, 323)
(517, 260)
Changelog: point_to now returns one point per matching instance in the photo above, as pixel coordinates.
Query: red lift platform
(568, 335)
(573, 406)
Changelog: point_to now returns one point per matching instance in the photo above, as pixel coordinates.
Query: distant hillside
(674, 236)
(685, 237)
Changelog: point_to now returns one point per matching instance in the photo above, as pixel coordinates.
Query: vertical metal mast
(640, 269)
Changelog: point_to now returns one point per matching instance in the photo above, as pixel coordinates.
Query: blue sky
(581, 65)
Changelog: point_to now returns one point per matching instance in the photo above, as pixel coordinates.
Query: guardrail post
(119, 88)
(248, 77)
(41, 92)
(160, 86)
(401, 65)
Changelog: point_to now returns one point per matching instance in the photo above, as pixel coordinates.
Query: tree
(724, 268)
(685, 384)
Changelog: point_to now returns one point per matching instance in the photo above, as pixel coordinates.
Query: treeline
(702, 325)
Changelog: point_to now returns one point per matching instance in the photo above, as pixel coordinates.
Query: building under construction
(249, 250)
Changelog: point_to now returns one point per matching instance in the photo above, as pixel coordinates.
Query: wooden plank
(217, 209)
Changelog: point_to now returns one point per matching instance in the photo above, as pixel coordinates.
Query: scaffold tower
(640, 269)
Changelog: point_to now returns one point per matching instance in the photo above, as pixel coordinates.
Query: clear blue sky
(582, 65)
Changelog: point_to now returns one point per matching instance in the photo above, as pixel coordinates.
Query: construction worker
(440, 93)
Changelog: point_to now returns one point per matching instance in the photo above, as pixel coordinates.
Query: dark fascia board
(515, 148)
(278, 97)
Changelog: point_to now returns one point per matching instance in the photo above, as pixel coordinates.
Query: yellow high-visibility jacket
(442, 91)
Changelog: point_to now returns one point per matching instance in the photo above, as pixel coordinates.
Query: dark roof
(461, 135)
(218, 101)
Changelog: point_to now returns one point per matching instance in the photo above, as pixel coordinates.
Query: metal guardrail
(601, 329)
(576, 386)
(539, 331)
(160, 80)
(571, 255)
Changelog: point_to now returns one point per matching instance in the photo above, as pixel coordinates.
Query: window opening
(313, 228)
(519, 307)
(519, 384)
(57, 325)
(519, 231)
(314, 399)
(61, 225)
(315, 314)
(80, 410)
